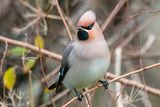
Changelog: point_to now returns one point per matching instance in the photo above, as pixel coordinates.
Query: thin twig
(60, 95)
(29, 46)
(69, 102)
(88, 99)
(144, 12)
(30, 89)
(113, 14)
(4, 55)
(137, 30)
(50, 75)
(31, 100)
(136, 71)
(31, 23)
(53, 16)
(61, 14)
(25, 3)
(55, 98)
(144, 48)
(42, 71)
(136, 84)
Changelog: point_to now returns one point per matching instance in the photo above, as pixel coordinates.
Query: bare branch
(115, 78)
(144, 12)
(134, 83)
(4, 54)
(61, 14)
(144, 48)
(55, 98)
(88, 99)
(113, 14)
(136, 71)
(119, 78)
(43, 73)
(137, 30)
(29, 46)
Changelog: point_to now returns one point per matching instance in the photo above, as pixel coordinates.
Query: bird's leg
(104, 83)
(79, 95)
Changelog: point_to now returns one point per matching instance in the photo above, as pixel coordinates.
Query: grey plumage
(64, 67)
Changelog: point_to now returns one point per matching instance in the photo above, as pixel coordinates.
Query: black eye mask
(88, 27)
(82, 34)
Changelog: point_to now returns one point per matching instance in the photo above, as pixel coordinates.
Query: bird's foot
(79, 95)
(104, 83)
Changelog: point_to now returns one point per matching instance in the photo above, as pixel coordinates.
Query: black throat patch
(82, 34)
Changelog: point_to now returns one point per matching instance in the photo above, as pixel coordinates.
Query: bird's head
(88, 29)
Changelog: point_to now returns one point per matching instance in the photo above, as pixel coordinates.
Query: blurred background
(132, 35)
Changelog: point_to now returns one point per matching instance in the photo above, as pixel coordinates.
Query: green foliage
(9, 78)
(17, 51)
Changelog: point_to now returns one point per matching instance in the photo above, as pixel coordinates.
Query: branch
(137, 30)
(88, 99)
(29, 46)
(113, 79)
(59, 57)
(113, 14)
(55, 98)
(127, 82)
(134, 83)
(2, 60)
(143, 49)
(135, 72)
(61, 15)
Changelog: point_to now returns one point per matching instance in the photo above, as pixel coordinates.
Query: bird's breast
(84, 73)
(88, 64)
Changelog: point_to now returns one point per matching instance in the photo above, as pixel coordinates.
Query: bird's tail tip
(51, 88)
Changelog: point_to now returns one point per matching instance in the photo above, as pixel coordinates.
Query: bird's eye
(89, 27)
(82, 35)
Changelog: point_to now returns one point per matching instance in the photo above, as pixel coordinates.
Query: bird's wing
(65, 66)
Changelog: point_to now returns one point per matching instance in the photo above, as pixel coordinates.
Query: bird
(86, 59)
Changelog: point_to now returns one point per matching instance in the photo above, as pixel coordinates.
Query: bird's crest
(87, 19)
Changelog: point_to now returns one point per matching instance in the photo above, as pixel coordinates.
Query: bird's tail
(53, 86)
(57, 88)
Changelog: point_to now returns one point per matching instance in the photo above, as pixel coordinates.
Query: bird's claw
(104, 83)
(80, 96)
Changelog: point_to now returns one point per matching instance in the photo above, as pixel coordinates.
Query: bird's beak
(79, 28)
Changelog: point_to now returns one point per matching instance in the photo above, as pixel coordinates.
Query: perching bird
(86, 59)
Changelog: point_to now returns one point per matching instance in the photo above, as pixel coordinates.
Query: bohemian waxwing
(86, 59)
